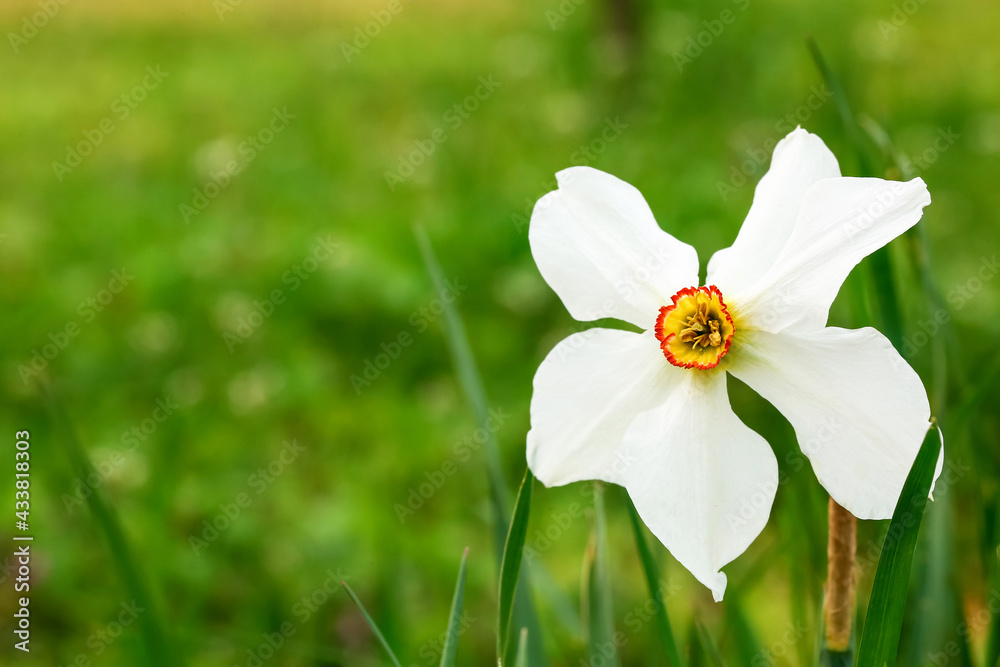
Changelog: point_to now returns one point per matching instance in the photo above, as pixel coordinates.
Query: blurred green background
(253, 298)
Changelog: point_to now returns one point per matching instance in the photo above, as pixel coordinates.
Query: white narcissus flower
(650, 411)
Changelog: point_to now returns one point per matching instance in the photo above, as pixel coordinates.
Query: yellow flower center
(695, 330)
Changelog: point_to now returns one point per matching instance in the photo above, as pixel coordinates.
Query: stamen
(696, 330)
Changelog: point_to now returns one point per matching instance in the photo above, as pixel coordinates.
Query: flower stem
(838, 605)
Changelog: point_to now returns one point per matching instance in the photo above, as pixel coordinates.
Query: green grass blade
(709, 648)
(510, 566)
(371, 623)
(158, 648)
(991, 563)
(935, 608)
(469, 377)
(884, 286)
(920, 255)
(696, 655)
(880, 262)
(884, 620)
(851, 127)
(522, 649)
(475, 393)
(455, 617)
(985, 382)
(557, 602)
(805, 587)
(819, 639)
(649, 567)
(993, 635)
(740, 629)
(600, 607)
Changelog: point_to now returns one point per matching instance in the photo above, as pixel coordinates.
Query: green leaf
(884, 620)
(455, 618)
(371, 623)
(600, 612)
(649, 567)
(158, 649)
(510, 566)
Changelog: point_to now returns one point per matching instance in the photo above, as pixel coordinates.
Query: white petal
(598, 246)
(701, 480)
(586, 393)
(859, 411)
(842, 221)
(799, 160)
(940, 465)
